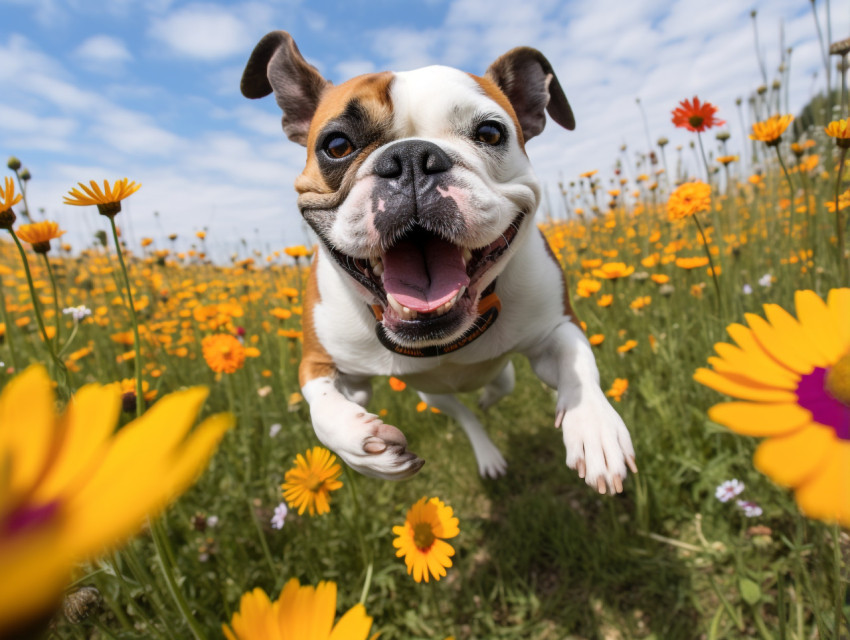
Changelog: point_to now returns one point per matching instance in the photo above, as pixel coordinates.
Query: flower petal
(774, 343)
(354, 625)
(760, 419)
(826, 496)
(816, 321)
(838, 303)
(792, 333)
(741, 387)
(27, 427)
(790, 460)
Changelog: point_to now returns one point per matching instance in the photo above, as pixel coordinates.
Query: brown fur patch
(568, 308)
(372, 92)
(316, 362)
(492, 91)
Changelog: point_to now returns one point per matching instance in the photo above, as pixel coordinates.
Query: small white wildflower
(264, 391)
(203, 557)
(747, 289)
(212, 521)
(78, 313)
(279, 516)
(766, 280)
(274, 429)
(750, 509)
(728, 490)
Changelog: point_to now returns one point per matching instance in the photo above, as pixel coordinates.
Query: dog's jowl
(429, 266)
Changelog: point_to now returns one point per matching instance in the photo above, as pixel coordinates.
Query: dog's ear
(528, 80)
(277, 65)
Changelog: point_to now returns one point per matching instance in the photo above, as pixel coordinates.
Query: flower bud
(14, 164)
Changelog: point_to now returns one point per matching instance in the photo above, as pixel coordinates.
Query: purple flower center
(812, 394)
(27, 517)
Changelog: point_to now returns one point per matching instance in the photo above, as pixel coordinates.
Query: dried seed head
(840, 48)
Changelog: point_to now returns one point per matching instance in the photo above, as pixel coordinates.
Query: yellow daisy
(307, 486)
(793, 377)
(421, 540)
(8, 199)
(840, 130)
(613, 270)
(39, 234)
(108, 200)
(770, 131)
(69, 485)
(305, 613)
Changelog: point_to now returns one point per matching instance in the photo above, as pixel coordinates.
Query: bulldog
(429, 266)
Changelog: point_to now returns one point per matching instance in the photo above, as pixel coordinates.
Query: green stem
(787, 175)
(839, 584)
(60, 366)
(57, 312)
(137, 345)
(358, 520)
(710, 261)
(9, 339)
(161, 544)
(263, 543)
(839, 225)
(704, 159)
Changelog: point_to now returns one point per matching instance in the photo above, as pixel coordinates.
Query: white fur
(432, 104)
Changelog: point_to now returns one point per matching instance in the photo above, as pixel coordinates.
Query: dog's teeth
(395, 305)
(408, 314)
(378, 269)
(467, 255)
(459, 294)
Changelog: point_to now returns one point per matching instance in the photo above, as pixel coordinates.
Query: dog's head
(416, 183)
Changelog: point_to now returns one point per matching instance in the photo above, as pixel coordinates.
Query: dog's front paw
(367, 444)
(598, 443)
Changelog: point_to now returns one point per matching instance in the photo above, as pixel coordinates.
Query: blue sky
(149, 89)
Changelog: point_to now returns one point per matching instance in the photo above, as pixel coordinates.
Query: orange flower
(39, 234)
(606, 300)
(770, 131)
(692, 263)
(587, 287)
(840, 130)
(689, 199)
(695, 116)
(628, 345)
(596, 339)
(223, 353)
(396, 384)
(618, 388)
(613, 270)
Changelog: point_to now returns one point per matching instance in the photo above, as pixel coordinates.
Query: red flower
(695, 117)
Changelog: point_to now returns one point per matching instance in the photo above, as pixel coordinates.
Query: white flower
(274, 429)
(747, 289)
(279, 516)
(78, 313)
(766, 280)
(728, 490)
(212, 521)
(750, 509)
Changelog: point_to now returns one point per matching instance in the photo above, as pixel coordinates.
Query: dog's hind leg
(500, 387)
(491, 463)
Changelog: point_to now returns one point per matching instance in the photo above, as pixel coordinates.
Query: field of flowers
(120, 517)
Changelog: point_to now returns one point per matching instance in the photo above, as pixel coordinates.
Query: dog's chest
(450, 377)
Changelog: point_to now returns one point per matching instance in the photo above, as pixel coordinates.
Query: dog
(429, 266)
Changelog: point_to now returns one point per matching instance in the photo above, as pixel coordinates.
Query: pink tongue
(423, 277)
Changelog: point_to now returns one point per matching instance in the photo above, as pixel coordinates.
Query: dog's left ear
(525, 76)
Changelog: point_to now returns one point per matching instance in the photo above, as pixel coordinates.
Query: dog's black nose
(412, 159)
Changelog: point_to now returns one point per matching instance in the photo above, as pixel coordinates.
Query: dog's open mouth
(427, 287)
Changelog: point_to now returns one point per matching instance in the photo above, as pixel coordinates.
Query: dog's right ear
(277, 65)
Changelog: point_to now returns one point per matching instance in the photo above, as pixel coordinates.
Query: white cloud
(203, 31)
(103, 52)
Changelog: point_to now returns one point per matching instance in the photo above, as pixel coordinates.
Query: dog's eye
(489, 133)
(338, 146)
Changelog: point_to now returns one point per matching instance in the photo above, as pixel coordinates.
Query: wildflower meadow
(160, 477)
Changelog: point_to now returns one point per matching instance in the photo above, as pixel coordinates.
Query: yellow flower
(628, 345)
(421, 540)
(793, 377)
(725, 160)
(8, 199)
(223, 353)
(587, 287)
(640, 302)
(39, 234)
(618, 388)
(606, 300)
(596, 339)
(108, 200)
(770, 131)
(70, 488)
(298, 251)
(692, 263)
(688, 199)
(613, 270)
(307, 486)
(302, 613)
(840, 130)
